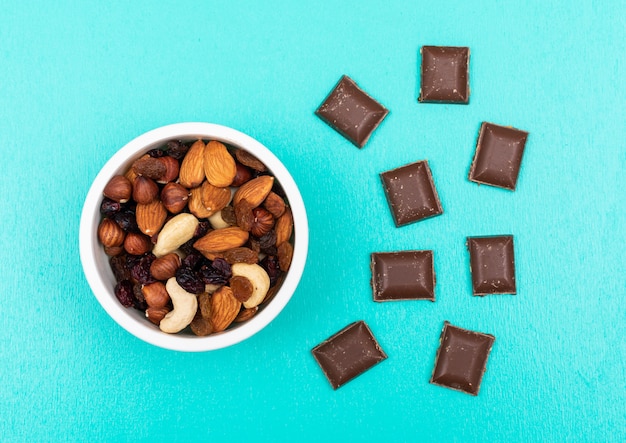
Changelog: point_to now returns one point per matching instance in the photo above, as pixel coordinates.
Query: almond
(246, 314)
(219, 165)
(284, 227)
(285, 254)
(196, 207)
(275, 204)
(214, 198)
(151, 217)
(255, 191)
(224, 308)
(191, 174)
(221, 240)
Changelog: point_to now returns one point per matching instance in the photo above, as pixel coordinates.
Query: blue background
(78, 80)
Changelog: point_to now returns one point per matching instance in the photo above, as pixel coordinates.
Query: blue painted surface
(80, 79)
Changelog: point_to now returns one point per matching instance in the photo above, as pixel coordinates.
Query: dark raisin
(177, 149)
(192, 261)
(222, 266)
(120, 268)
(108, 207)
(127, 221)
(202, 229)
(187, 247)
(267, 241)
(156, 153)
(189, 280)
(124, 293)
(271, 266)
(218, 272)
(141, 271)
(139, 302)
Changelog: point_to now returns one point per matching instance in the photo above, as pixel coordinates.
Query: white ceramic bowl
(96, 265)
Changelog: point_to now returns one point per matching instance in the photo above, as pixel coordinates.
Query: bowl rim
(92, 254)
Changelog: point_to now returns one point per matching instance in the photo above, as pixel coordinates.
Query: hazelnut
(172, 168)
(137, 244)
(155, 315)
(118, 188)
(174, 197)
(262, 223)
(242, 175)
(112, 251)
(110, 234)
(165, 267)
(156, 295)
(145, 190)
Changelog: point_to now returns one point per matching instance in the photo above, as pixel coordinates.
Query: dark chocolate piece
(348, 353)
(492, 264)
(498, 156)
(445, 75)
(411, 193)
(351, 112)
(403, 275)
(461, 359)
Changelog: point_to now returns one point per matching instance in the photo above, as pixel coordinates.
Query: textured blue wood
(80, 79)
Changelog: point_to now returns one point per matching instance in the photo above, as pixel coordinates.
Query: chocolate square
(348, 353)
(498, 156)
(492, 264)
(444, 75)
(351, 112)
(411, 193)
(403, 275)
(461, 359)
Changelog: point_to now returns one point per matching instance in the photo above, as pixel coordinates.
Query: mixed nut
(199, 236)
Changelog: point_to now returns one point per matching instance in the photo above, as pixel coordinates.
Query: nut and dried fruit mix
(199, 236)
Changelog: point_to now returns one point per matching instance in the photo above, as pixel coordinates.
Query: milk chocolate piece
(498, 156)
(444, 75)
(403, 275)
(492, 264)
(461, 359)
(351, 112)
(348, 353)
(411, 193)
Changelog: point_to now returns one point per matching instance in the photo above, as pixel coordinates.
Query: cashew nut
(185, 307)
(259, 279)
(174, 233)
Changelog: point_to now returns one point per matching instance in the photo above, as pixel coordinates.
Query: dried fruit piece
(285, 254)
(145, 190)
(191, 172)
(119, 189)
(149, 167)
(228, 215)
(268, 242)
(175, 232)
(174, 197)
(258, 277)
(217, 272)
(275, 204)
(155, 295)
(284, 227)
(189, 280)
(165, 267)
(150, 217)
(272, 267)
(124, 293)
(217, 222)
(201, 326)
(262, 222)
(177, 149)
(110, 234)
(119, 268)
(244, 215)
(126, 220)
(219, 165)
(241, 255)
(155, 315)
(214, 198)
(108, 207)
(140, 271)
(255, 191)
(204, 305)
(221, 240)
(137, 244)
(245, 158)
(242, 288)
(224, 308)
(246, 314)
